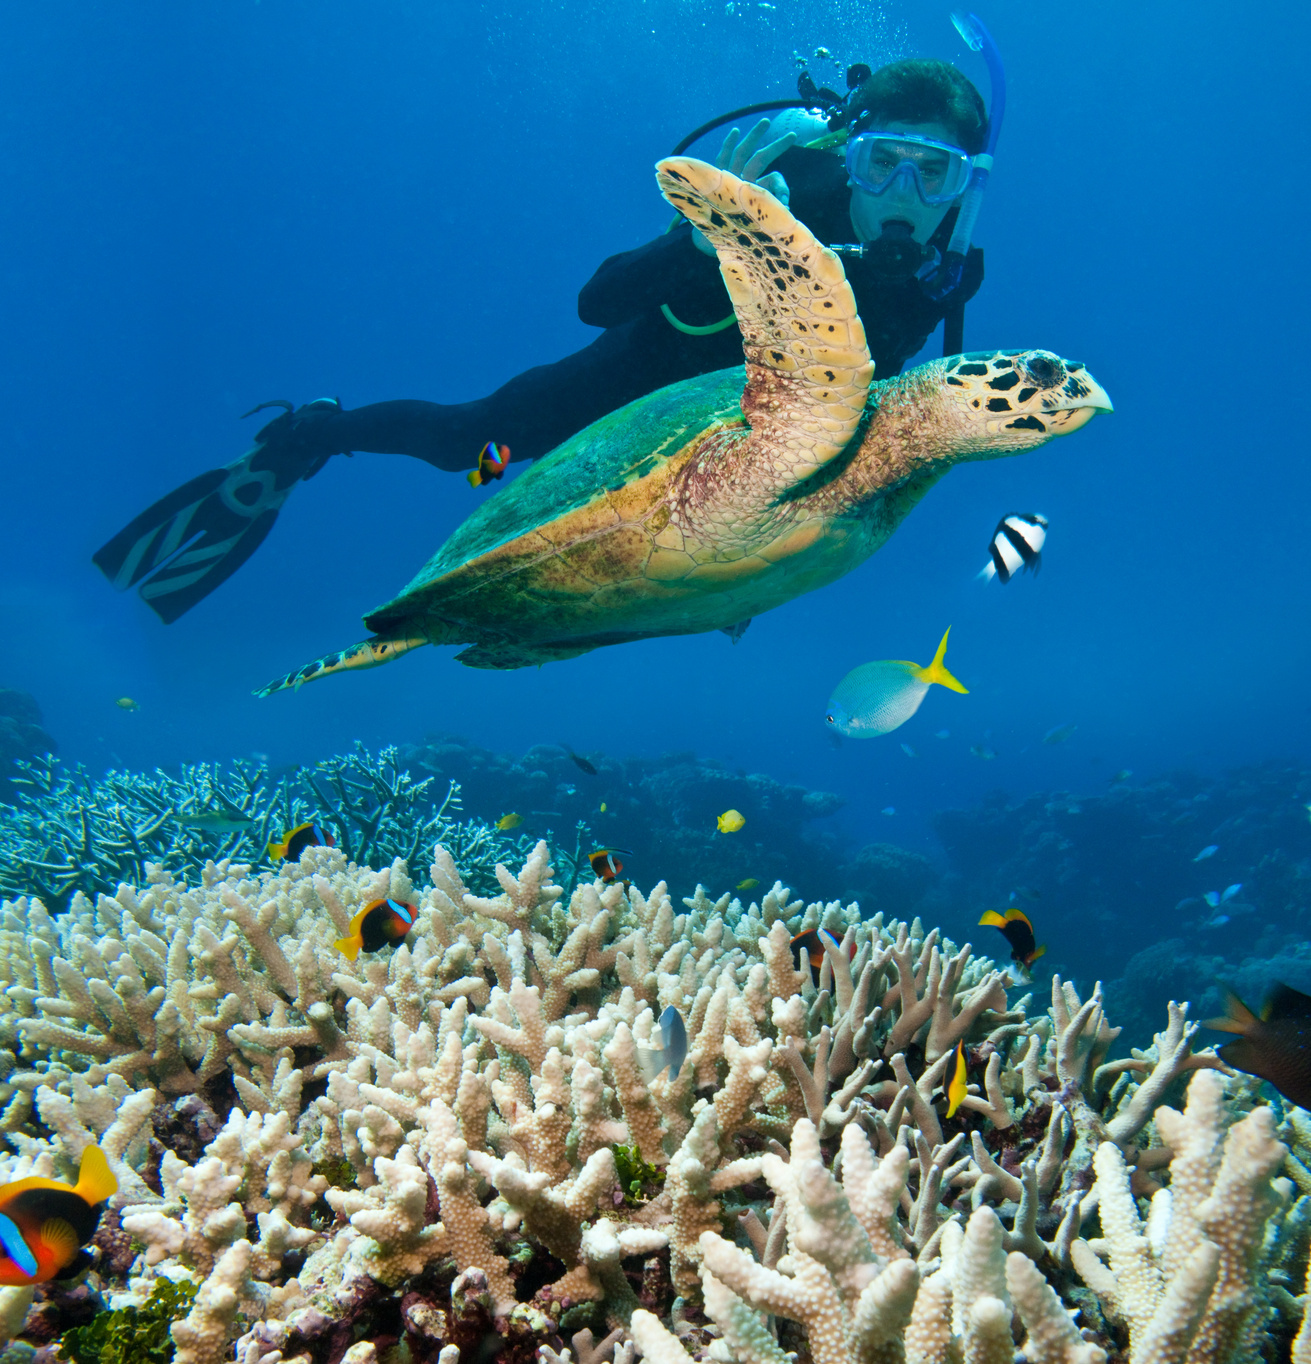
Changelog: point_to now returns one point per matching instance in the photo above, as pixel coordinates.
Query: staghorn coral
(69, 832)
(468, 1090)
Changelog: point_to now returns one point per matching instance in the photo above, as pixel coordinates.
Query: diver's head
(914, 125)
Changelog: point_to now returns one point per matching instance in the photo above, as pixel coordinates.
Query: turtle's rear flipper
(189, 542)
(372, 653)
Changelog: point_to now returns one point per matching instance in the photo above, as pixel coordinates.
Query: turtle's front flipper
(808, 367)
(370, 654)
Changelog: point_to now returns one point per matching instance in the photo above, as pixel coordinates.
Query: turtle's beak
(1075, 409)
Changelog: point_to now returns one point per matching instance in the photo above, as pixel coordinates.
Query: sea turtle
(707, 502)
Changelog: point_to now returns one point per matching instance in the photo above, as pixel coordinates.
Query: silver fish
(670, 1048)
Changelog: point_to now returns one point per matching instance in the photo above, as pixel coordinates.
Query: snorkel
(977, 39)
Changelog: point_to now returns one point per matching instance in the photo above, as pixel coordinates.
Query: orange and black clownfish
(44, 1224)
(294, 842)
(606, 864)
(814, 949)
(375, 926)
(1014, 923)
(492, 459)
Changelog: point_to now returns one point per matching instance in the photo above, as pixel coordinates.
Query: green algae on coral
(132, 1335)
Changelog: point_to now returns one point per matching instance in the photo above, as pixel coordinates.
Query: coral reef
(663, 808)
(452, 1146)
(22, 736)
(69, 831)
(1104, 874)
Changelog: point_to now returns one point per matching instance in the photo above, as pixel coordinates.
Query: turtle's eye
(1045, 370)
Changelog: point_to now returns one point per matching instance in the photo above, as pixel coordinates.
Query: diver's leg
(186, 544)
(533, 412)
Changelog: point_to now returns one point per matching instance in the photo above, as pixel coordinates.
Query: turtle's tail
(369, 654)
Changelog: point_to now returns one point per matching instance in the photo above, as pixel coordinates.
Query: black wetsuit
(182, 547)
(639, 351)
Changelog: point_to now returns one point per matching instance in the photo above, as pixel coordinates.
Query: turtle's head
(1002, 402)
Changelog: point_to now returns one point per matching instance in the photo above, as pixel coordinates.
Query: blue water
(210, 205)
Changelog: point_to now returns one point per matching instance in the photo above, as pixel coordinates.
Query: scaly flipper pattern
(808, 366)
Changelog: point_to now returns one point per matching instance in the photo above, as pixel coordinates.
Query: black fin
(1237, 1016)
(1285, 1002)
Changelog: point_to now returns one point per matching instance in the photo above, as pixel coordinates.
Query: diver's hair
(923, 90)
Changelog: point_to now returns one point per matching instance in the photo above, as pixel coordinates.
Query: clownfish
(1018, 931)
(605, 864)
(810, 942)
(44, 1224)
(295, 841)
(375, 926)
(492, 459)
(958, 1087)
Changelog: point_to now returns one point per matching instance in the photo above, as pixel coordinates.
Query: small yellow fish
(126, 703)
(603, 807)
(730, 821)
(957, 1089)
(511, 821)
(749, 884)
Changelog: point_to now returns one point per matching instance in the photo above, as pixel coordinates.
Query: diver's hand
(749, 158)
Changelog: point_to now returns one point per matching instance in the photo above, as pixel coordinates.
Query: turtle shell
(578, 520)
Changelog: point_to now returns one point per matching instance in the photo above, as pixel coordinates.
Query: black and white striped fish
(1016, 543)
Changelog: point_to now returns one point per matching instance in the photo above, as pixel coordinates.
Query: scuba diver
(889, 175)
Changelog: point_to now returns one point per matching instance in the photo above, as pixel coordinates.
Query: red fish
(606, 864)
(814, 949)
(44, 1224)
(1018, 931)
(295, 841)
(375, 926)
(492, 459)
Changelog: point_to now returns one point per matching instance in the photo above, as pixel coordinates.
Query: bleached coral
(452, 1107)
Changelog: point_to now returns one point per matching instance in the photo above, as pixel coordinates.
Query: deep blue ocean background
(208, 205)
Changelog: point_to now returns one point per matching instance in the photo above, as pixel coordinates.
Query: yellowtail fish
(959, 1086)
(730, 821)
(126, 703)
(510, 821)
(877, 698)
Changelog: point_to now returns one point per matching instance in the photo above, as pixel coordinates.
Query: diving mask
(876, 161)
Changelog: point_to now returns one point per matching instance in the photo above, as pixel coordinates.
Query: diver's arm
(667, 270)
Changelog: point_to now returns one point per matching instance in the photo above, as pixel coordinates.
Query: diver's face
(900, 203)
